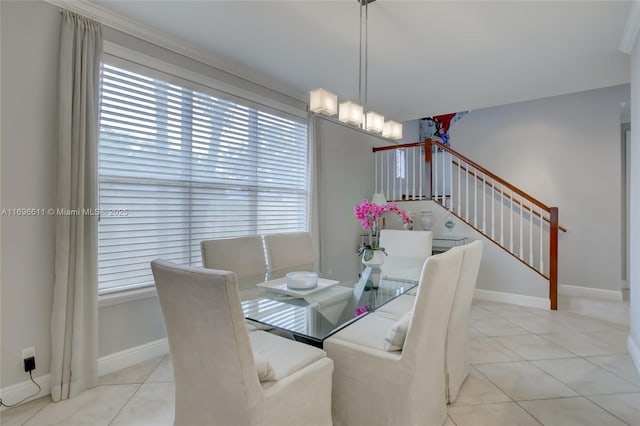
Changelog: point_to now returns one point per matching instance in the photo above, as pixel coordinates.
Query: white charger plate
(279, 285)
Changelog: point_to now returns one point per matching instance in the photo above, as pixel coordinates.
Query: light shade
(323, 101)
(375, 122)
(379, 198)
(351, 113)
(392, 130)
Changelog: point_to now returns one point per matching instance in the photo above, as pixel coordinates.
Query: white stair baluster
(531, 235)
(475, 197)
(388, 191)
(435, 175)
(394, 173)
(493, 209)
(421, 176)
(375, 179)
(521, 254)
(444, 178)
(459, 192)
(405, 167)
(413, 173)
(484, 203)
(381, 188)
(511, 224)
(466, 190)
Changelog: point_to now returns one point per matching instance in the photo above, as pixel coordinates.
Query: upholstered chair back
(457, 358)
(423, 352)
(288, 251)
(213, 365)
(406, 244)
(244, 255)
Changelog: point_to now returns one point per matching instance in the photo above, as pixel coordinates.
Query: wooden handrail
(403, 145)
(561, 228)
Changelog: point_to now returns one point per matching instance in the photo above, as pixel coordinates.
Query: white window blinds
(178, 166)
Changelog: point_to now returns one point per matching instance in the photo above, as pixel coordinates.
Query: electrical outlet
(29, 359)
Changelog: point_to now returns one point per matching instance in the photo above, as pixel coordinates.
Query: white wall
(634, 228)
(565, 151)
(29, 33)
(411, 131)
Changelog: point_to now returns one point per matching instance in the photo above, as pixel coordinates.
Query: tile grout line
(529, 413)
(579, 395)
(38, 411)
(136, 392)
(613, 372)
(607, 411)
(125, 403)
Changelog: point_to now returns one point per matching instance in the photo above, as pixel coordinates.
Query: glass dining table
(312, 316)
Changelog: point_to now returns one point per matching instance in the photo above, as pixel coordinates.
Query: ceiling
(425, 57)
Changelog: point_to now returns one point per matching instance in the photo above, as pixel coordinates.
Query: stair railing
(517, 222)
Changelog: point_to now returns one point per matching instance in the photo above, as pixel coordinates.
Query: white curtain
(74, 318)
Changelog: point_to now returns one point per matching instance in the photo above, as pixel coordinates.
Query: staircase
(520, 224)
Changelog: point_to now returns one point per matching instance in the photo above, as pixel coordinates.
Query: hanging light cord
(360, 59)
(366, 52)
(364, 41)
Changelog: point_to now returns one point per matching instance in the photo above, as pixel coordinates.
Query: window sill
(119, 297)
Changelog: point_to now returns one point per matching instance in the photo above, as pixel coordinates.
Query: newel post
(553, 257)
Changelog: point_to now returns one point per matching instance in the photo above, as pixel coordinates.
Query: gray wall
(565, 151)
(345, 177)
(29, 33)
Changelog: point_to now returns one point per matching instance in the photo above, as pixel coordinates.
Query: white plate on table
(279, 285)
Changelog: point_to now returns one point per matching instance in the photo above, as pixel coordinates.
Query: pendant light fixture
(324, 102)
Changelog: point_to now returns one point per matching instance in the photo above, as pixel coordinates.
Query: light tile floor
(530, 367)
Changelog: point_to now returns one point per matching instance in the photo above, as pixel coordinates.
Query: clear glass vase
(426, 220)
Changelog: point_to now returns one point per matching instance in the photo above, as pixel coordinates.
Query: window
(177, 166)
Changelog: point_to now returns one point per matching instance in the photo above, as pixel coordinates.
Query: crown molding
(631, 28)
(182, 47)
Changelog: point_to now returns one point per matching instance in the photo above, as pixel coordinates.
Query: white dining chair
(406, 253)
(407, 244)
(391, 372)
(225, 375)
(289, 251)
(243, 255)
(457, 351)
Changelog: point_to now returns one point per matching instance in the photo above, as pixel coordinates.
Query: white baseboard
(516, 299)
(14, 393)
(106, 364)
(119, 360)
(592, 293)
(634, 350)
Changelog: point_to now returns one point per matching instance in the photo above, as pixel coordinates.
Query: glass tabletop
(314, 317)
